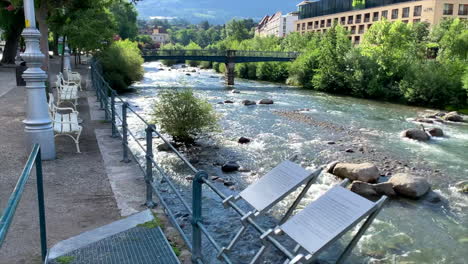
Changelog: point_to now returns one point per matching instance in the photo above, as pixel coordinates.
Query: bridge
(228, 57)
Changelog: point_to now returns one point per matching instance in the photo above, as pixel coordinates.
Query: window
(417, 11)
(328, 22)
(298, 27)
(385, 14)
(405, 21)
(358, 19)
(357, 39)
(448, 9)
(309, 25)
(343, 20)
(316, 24)
(353, 29)
(350, 19)
(366, 17)
(463, 10)
(324, 30)
(322, 23)
(303, 26)
(416, 20)
(346, 28)
(361, 29)
(405, 12)
(376, 16)
(368, 26)
(394, 13)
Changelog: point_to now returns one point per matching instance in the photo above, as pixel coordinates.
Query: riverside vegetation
(405, 63)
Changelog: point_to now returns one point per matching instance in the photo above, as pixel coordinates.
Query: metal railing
(109, 99)
(221, 53)
(8, 214)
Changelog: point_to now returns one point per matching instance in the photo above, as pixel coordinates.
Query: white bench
(65, 124)
(66, 93)
(73, 77)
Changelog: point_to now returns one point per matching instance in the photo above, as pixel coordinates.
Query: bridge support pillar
(230, 73)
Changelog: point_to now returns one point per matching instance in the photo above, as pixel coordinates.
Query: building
(318, 16)
(276, 25)
(160, 36)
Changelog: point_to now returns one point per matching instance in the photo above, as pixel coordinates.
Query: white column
(66, 60)
(38, 126)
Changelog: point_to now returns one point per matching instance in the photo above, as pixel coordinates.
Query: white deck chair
(69, 82)
(65, 124)
(269, 190)
(73, 77)
(323, 222)
(67, 93)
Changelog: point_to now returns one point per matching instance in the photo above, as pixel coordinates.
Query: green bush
(192, 46)
(171, 46)
(122, 64)
(183, 116)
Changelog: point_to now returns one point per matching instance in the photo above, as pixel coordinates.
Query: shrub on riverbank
(182, 115)
(121, 63)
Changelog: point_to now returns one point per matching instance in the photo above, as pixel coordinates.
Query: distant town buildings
(357, 16)
(160, 36)
(276, 25)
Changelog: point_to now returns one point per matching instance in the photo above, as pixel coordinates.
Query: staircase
(136, 239)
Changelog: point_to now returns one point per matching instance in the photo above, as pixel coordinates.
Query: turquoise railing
(108, 100)
(9, 213)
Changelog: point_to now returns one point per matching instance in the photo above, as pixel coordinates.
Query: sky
(215, 11)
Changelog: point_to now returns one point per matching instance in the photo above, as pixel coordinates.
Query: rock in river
(366, 172)
(462, 186)
(243, 140)
(266, 101)
(230, 166)
(436, 132)
(248, 102)
(416, 134)
(228, 102)
(235, 91)
(453, 116)
(409, 185)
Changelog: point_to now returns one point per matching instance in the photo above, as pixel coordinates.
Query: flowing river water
(433, 229)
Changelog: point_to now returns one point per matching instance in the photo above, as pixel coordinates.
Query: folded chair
(269, 190)
(65, 124)
(73, 77)
(324, 221)
(67, 93)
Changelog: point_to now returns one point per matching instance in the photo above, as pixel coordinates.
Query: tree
(126, 17)
(240, 29)
(12, 22)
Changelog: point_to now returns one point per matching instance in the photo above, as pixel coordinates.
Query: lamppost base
(42, 137)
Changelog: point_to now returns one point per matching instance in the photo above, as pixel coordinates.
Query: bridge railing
(8, 214)
(221, 53)
(110, 102)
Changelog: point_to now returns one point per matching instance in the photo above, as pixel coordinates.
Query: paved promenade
(78, 194)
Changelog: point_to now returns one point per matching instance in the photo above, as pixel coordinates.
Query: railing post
(106, 102)
(100, 83)
(197, 214)
(41, 206)
(125, 133)
(114, 125)
(149, 167)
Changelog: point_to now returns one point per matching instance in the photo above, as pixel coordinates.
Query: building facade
(276, 25)
(318, 16)
(160, 36)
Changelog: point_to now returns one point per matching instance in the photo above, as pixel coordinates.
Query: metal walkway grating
(139, 245)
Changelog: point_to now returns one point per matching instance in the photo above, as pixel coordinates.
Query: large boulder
(248, 102)
(366, 172)
(436, 132)
(416, 134)
(230, 166)
(266, 101)
(244, 140)
(409, 185)
(369, 190)
(453, 116)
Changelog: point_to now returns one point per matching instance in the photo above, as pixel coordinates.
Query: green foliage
(126, 16)
(65, 259)
(183, 116)
(121, 64)
(359, 4)
(144, 39)
(192, 46)
(240, 29)
(171, 46)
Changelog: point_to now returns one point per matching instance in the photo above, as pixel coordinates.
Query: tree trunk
(41, 17)
(56, 43)
(11, 46)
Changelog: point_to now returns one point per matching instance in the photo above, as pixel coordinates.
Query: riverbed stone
(436, 132)
(410, 186)
(424, 120)
(228, 102)
(329, 168)
(230, 166)
(248, 102)
(243, 140)
(266, 101)
(462, 186)
(366, 172)
(363, 188)
(235, 91)
(163, 147)
(416, 134)
(453, 116)
(385, 188)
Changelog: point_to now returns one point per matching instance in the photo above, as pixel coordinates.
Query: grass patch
(176, 250)
(65, 259)
(151, 224)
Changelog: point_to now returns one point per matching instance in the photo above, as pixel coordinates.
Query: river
(433, 229)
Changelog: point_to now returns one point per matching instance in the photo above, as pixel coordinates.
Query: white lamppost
(38, 126)
(66, 58)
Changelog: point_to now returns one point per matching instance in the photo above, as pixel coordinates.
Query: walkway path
(78, 193)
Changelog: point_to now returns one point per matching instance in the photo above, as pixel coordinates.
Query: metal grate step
(139, 245)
